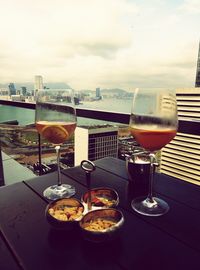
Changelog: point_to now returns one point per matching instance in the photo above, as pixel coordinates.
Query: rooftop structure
(95, 142)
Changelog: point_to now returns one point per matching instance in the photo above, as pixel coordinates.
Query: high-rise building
(181, 157)
(98, 93)
(197, 83)
(24, 90)
(12, 89)
(38, 84)
(95, 142)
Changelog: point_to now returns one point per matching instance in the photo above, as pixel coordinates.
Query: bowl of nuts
(101, 225)
(64, 213)
(102, 197)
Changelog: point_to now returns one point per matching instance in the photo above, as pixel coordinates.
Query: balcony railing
(185, 126)
(189, 126)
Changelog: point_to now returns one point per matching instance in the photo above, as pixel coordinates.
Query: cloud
(42, 35)
(191, 6)
(90, 43)
(67, 26)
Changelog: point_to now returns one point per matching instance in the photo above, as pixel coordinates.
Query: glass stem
(151, 176)
(58, 164)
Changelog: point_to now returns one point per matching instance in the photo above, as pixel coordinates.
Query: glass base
(56, 192)
(150, 207)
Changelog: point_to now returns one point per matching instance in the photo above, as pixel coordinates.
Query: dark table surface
(171, 241)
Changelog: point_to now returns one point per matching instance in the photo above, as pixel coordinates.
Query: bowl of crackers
(101, 225)
(64, 213)
(102, 197)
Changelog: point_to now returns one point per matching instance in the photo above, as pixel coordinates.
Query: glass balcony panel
(125, 144)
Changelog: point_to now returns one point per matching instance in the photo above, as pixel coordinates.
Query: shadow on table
(68, 241)
(96, 252)
(61, 240)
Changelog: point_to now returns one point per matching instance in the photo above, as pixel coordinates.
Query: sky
(100, 43)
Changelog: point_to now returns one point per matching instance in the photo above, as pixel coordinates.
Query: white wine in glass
(153, 123)
(56, 121)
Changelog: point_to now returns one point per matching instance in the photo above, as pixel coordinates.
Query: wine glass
(56, 121)
(153, 123)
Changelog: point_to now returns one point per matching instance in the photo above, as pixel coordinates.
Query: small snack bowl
(101, 225)
(102, 197)
(64, 213)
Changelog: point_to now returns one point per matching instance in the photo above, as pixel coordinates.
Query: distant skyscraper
(197, 83)
(24, 91)
(12, 89)
(98, 93)
(38, 83)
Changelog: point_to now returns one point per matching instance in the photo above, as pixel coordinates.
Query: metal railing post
(2, 180)
(40, 154)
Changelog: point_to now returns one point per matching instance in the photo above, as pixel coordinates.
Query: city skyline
(106, 44)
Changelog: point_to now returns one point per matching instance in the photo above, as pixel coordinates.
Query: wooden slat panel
(188, 165)
(185, 144)
(188, 103)
(188, 135)
(187, 139)
(189, 114)
(188, 108)
(188, 98)
(179, 176)
(184, 149)
(179, 170)
(173, 157)
(181, 153)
